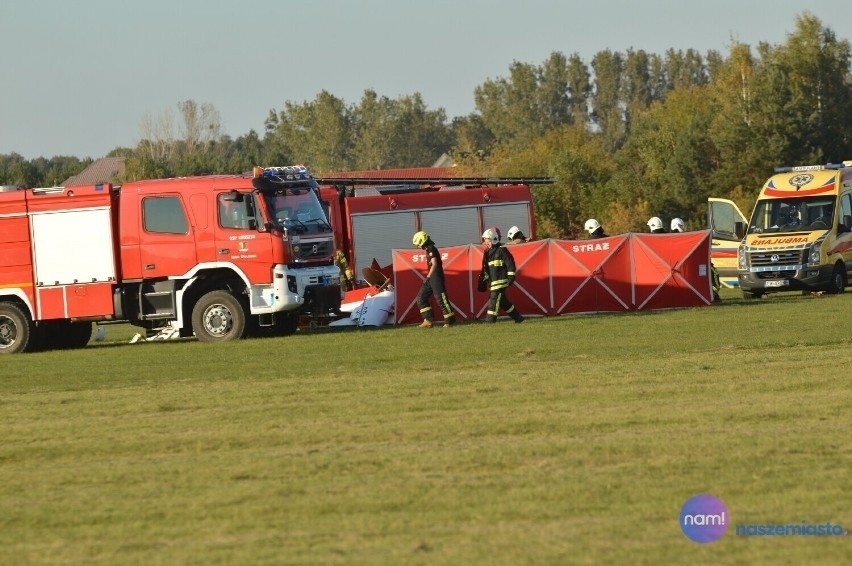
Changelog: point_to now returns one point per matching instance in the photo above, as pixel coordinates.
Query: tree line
(627, 135)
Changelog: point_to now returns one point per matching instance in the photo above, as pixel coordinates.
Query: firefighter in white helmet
(678, 225)
(434, 283)
(656, 225)
(595, 230)
(497, 275)
(515, 236)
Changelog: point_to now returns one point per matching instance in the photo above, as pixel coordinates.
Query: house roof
(104, 170)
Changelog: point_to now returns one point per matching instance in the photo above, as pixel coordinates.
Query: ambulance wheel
(16, 329)
(219, 316)
(749, 295)
(838, 280)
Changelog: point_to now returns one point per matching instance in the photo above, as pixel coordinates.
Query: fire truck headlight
(291, 283)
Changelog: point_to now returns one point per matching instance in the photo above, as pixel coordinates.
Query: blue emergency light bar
(290, 173)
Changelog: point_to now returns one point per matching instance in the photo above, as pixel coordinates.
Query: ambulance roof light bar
(811, 167)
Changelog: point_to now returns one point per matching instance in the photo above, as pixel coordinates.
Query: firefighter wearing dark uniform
(498, 273)
(656, 225)
(434, 284)
(595, 230)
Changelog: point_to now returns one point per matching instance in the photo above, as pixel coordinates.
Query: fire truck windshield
(298, 210)
(792, 215)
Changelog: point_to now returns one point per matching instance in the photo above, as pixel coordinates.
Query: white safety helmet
(678, 225)
(512, 231)
(591, 225)
(491, 235)
(655, 223)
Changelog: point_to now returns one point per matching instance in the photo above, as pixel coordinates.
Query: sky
(79, 78)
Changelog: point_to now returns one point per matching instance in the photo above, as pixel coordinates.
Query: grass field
(565, 440)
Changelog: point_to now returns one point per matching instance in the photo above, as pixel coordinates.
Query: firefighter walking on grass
(497, 275)
(434, 284)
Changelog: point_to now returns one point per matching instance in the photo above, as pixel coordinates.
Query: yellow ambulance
(799, 237)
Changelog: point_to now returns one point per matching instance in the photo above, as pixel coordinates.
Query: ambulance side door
(844, 231)
(727, 227)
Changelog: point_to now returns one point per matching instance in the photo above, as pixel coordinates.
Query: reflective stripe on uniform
(446, 308)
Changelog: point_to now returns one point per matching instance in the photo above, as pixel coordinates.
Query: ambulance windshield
(792, 215)
(297, 210)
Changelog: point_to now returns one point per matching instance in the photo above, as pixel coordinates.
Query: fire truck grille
(315, 250)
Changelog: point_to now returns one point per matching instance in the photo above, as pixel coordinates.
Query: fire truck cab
(221, 257)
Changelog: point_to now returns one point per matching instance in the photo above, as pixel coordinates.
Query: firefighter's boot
(426, 324)
(516, 316)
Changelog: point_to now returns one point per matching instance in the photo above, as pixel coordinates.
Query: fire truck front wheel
(16, 329)
(219, 316)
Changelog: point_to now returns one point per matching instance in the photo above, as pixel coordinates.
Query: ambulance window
(164, 215)
(846, 210)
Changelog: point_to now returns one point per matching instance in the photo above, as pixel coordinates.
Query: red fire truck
(374, 212)
(218, 256)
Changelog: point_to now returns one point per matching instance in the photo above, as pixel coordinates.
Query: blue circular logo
(704, 518)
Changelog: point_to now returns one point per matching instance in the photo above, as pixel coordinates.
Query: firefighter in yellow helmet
(347, 279)
(497, 275)
(434, 283)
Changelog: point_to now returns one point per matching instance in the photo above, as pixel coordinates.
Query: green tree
(819, 87)
(579, 90)
(576, 159)
(418, 135)
(684, 69)
(317, 133)
(665, 165)
(531, 101)
(637, 85)
(607, 112)
(372, 131)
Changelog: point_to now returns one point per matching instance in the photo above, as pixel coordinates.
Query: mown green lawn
(569, 440)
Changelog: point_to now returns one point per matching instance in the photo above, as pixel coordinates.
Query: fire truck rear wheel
(219, 316)
(16, 329)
